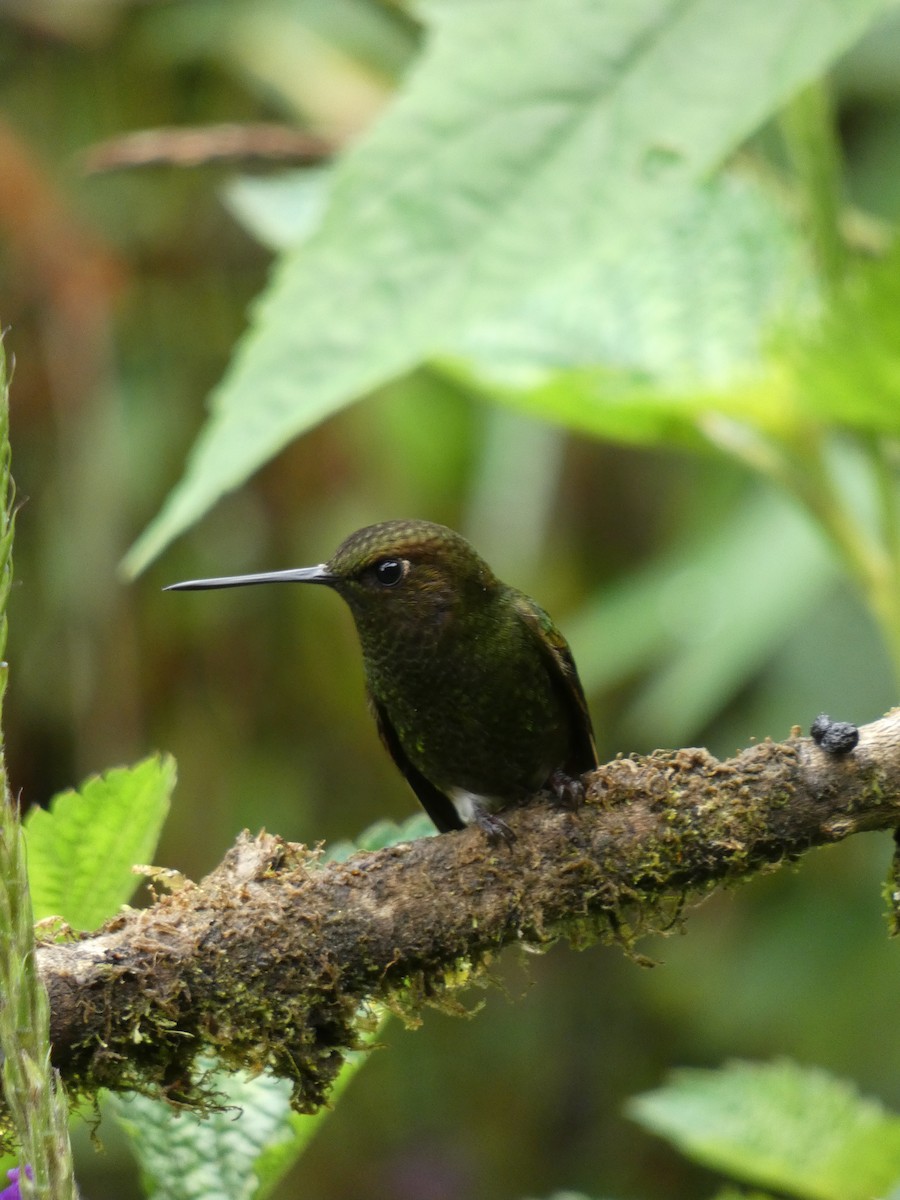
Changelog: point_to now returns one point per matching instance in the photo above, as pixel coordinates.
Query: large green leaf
(791, 1128)
(684, 308)
(81, 851)
(682, 313)
(848, 370)
(518, 143)
(184, 1157)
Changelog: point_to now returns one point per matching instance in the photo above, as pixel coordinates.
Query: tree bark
(268, 961)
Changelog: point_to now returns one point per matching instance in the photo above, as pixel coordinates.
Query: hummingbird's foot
(494, 828)
(564, 790)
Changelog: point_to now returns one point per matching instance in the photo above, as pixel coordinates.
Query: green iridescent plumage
(474, 689)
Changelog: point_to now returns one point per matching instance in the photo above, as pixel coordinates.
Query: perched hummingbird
(473, 688)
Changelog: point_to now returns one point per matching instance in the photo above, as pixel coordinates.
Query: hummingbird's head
(399, 575)
(411, 572)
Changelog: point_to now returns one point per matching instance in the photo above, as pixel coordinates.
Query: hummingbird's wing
(441, 810)
(564, 674)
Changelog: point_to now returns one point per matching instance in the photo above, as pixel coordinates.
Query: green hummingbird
(473, 688)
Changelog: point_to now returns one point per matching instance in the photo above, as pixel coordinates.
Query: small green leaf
(790, 1128)
(380, 835)
(81, 851)
(283, 210)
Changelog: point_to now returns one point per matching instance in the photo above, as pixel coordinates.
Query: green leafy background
(521, 176)
(612, 293)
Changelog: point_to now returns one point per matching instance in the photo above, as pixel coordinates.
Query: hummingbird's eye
(390, 571)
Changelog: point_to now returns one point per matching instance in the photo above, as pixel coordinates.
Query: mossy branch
(269, 960)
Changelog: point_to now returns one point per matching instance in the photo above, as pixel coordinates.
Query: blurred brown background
(123, 293)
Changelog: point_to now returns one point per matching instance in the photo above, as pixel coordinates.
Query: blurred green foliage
(717, 304)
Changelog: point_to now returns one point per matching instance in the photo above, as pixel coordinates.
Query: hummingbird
(473, 688)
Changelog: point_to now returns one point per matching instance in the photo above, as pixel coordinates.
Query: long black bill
(317, 574)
